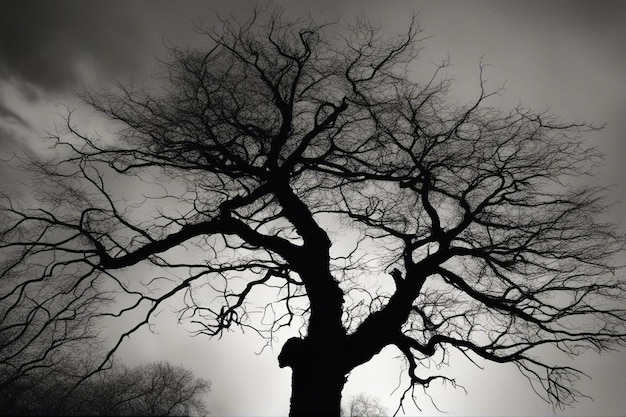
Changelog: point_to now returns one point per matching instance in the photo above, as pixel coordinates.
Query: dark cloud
(43, 43)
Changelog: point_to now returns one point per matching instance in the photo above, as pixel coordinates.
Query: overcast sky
(568, 57)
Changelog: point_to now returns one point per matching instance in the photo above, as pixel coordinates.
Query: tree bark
(318, 377)
(316, 391)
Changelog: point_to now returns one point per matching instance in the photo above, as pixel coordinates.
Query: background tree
(154, 389)
(363, 405)
(299, 163)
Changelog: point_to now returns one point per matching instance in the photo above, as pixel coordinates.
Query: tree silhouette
(41, 323)
(302, 168)
(363, 405)
(153, 389)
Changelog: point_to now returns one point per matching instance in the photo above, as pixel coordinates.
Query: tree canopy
(306, 168)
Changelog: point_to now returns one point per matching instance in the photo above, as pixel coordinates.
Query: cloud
(8, 115)
(44, 43)
(12, 147)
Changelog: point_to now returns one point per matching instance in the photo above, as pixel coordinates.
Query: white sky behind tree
(564, 56)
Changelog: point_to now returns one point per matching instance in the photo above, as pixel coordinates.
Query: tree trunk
(316, 391)
(318, 377)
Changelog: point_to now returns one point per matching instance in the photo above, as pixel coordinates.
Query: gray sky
(568, 57)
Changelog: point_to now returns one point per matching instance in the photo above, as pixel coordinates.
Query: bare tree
(363, 405)
(154, 389)
(300, 168)
(41, 323)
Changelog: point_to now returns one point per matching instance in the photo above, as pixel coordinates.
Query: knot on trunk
(292, 351)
